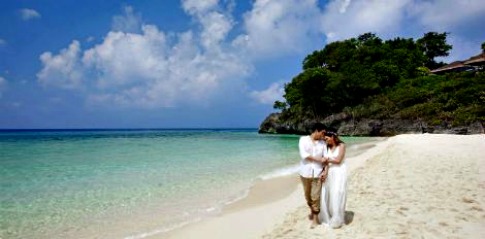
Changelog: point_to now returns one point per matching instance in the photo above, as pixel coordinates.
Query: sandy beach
(408, 186)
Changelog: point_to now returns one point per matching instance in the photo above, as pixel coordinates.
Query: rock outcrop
(346, 125)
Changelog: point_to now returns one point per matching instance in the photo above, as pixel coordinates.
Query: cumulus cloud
(215, 21)
(63, 70)
(147, 69)
(216, 26)
(275, 28)
(446, 14)
(274, 92)
(345, 19)
(160, 74)
(29, 14)
(199, 7)
(137, 64)
(129, 22)
(342, 19)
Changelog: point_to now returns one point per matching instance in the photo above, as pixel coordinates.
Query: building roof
(449, 67)
(457, 66)
(476, 60)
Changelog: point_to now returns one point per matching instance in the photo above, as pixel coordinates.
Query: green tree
(279, 105)
(316, 59)
(367, 77)
(337, 53)
(433, 45)
(305, 93)
(483, 47)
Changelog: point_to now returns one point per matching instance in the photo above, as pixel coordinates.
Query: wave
(281, 172)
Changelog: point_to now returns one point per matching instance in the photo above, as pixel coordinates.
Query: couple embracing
(323, 173)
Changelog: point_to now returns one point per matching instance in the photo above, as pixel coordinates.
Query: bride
(334, 191)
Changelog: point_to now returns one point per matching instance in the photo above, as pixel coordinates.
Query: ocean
(132, 183)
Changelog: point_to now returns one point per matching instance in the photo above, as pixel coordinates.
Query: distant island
(365, 86)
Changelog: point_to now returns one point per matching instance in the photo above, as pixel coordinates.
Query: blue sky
(188, 63)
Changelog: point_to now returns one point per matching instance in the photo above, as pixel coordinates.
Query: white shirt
(311, 169)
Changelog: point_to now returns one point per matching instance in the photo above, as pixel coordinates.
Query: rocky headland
(344, 124)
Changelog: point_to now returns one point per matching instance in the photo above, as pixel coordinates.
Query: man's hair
(318, 127)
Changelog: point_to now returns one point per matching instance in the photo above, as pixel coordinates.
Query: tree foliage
(433, 45)
(368, 77)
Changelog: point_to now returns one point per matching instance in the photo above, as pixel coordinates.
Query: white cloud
(274, 92)
(344, 5)
(149, 70)
(3, 82)
(199, 7)
(275, 28)
(3, 42)
(445, 14)
(3, 85)
(159, 75)
(124, 57)
(129, 22)
(215, 21)
(139, 65)
(215, 29)
(29, 14)
(349, 18)
(63, 70)
(345, 19)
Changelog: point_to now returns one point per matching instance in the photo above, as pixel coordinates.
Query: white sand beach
(408, 186)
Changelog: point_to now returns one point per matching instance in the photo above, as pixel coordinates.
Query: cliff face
(345, 125)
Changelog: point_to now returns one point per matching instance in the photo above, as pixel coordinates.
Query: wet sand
(407, 186)
(265, 207)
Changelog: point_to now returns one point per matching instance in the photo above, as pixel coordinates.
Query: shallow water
(122, 183)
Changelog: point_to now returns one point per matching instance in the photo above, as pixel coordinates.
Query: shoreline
(406, 186)
(256, 214)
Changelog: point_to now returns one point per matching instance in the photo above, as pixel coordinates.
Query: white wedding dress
(334, 193)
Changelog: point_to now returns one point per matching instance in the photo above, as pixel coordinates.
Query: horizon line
(134, 128)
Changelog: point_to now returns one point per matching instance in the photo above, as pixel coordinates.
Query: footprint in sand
(468, 200)
(476, 208)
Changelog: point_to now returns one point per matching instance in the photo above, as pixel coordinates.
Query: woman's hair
(334, 136)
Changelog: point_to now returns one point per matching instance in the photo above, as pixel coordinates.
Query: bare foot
(313, 225)
(315, 221)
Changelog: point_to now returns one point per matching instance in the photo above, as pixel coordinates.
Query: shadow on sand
(349, 217)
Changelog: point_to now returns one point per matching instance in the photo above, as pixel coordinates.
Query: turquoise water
(130, 183)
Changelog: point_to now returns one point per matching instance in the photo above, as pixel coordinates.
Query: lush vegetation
(367, 77)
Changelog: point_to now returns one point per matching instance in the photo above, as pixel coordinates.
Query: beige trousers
(312, 188)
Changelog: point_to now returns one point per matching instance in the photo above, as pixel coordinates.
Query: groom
(312, 148)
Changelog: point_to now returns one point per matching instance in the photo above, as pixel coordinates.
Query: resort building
(474, 63)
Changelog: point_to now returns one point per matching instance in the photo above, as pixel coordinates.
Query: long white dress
(334, 193)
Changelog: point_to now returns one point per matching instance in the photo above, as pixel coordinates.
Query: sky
(188, 63)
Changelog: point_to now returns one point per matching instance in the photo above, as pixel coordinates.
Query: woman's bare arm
(340, 156)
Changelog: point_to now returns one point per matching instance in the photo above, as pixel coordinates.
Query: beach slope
(408, 186)
(417, 186)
